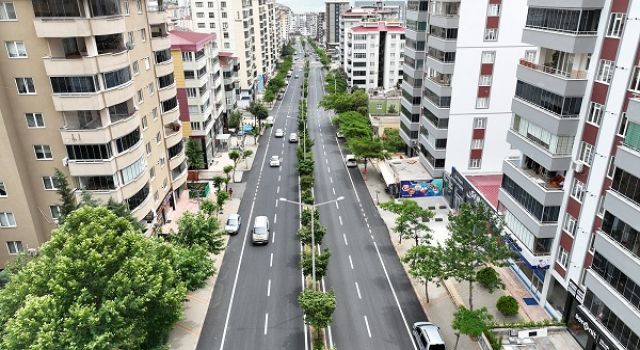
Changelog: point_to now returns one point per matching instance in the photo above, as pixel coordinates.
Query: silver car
(232, 226)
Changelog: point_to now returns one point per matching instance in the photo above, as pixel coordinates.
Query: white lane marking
(273, 237)
(331, 180)
(334, 190)
(275, 218)
(278, 189)
(269, 288)
(349, 174)
(337, 206)
(344, 236)
(282, 152)
(366, 322)
(325, 153)
(277, 203)
(328, 170)
(350, 262)
(279, 176)
(395, 296)
(271, 261)
(266, 324)
(372, 237)
(357, 290)
(326, 160)
(340, 218)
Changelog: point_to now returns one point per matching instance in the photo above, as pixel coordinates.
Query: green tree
(425, 263)
(221, 198)
(217, 182)
(409, 223)
(227, 173)
(246, 154)
(193, 265)
(208, 207)
(235, 119)
(198, 229)
(269, 96)
(322, 263)
(470, 322)
(343, 102)
(366, 149)
(392, 142)
(13, 267)
(317, 307)
(489, 278)
(304, 233)
(474, 242)
(195, 160)
(259, 112)
(97, 284)
(67, 197)
(392, 109)
(235, 156)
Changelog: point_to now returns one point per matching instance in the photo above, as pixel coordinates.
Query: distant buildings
(333, 10)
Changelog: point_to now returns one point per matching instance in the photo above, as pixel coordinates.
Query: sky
(299, 6)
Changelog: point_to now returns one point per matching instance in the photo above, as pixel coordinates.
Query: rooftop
(380, 27)
(488, 186)
(408, 169)
(188, 40)
(546, 340)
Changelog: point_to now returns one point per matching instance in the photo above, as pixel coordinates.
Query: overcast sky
(298, 6)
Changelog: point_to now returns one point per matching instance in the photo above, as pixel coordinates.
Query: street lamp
(313, 240)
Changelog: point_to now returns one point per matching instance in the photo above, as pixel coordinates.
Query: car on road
(289, 74)
(232, 226)
(274, 161)
(269, 120)
(427, 336)
(296, 76)
(261, 230)
(339, 135)
(350, 161)
(279, 133)
(293, 137)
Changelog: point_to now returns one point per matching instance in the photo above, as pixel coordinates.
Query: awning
(223, 137)
(387, 174)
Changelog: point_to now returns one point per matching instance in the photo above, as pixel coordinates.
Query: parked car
(296, 76)
(274, 161)
(232, 226)
(350, 161)
(427, 336)
(289, 74)
(279, 133)
(293, 137)
(339, 135)
(269, 121)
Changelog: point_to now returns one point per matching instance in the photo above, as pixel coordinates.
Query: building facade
(91, 94)
(375, 55)
(399, 7)
(333, 10)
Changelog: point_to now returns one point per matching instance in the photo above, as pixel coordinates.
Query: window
(563, 257)
(199, 4)
(147, 147)
(479, 123)
(152, 172)
(50, 183)
(130, 40)
(7, 220)
(134, 170)
(211, 25)
(43, 152)
(150, 89)
(136, 67)
(16, 49)
(635, 80)
(125, 5)
(158, 138)
(3, 189)
(570, 224)
(126, 142)
(116, 78)
(55, 212)
(379, 106)
(482, 102)
(586, 152)
(600, 208)
(140, 96)
(605, 71)
(488, 57)
(493, 10)
(622, 128)
(34, 120)
(139, 6)
(477, 143)
(210, 4)
(25, 86)
(474, 163)
(530, 55)
(491, 34)
(192, 92)
(201, 25)
(154, 113)
(71, 85)
(199, 14)
(147, 66)
(485, 80)
(616, 24)
(7, 11)
(595, 113)
(143, 34)
(577, 190)
(14, 247)
(145, 124)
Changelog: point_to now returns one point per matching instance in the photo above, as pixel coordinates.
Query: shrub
(489, 278)
(507, 305)
(306, 182)
(307, 197)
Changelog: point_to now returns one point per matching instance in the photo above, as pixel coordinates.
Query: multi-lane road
(255, 299)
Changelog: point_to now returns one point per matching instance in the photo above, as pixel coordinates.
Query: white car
(279, 133)
(350, 160)
(293, 137)
(274, 161)
(339, 135)
(269, 120)
(232, 226)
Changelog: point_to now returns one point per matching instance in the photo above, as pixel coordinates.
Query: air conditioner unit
(578, 166)
(65, 161)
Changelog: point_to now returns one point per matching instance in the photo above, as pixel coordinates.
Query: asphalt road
(254, 304)
(376, 304)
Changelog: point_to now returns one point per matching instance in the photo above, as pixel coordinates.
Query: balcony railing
(574, 74)
(549, 183)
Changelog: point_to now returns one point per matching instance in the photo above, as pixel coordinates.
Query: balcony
(442, 44)
(164, 68)
(546, 189)
(620, 206)
(633, 110)
(136, 184)
(125, 126)
(551, 121)
(157, 16)
(159, 43)
(532, 148)
(92, 167)
(572, 4)
(179, 180)
(177, 160)
(440, 85)
(167, 92)
(119, 94)
(171, 116)
(144, 208)
(572, 83)
(171, 136)
(62, 27)
(131, 155)
(78, 102)
(108, 25)
(537, 228)
(574, 42)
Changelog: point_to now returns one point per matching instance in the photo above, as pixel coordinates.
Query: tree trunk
(457, 340)
(426, 290)
(416, 238)
(470, 295)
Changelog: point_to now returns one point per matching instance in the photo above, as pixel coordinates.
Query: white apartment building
(375, 55)
(333, 10)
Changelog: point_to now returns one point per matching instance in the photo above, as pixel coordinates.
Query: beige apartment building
(87, 90)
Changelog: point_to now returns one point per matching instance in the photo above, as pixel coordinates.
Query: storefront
(457, 190)
(581, 326)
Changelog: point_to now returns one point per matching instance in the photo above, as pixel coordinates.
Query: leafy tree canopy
(198, 229)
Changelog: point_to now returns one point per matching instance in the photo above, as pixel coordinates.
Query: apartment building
(356, 16)
(283, 16)
(333, 10)
(230, 66)
(375, 55)
(87, 91)
(399, 6)
(267, 52)
(320, 27)
(199, 89)
(234, 23)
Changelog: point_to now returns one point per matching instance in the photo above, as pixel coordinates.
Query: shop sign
(576, 291)
(586, 325)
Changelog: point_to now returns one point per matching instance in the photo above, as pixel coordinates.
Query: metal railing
(574, 74)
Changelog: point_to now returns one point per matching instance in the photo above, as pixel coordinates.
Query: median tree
(409, 222)
(97, 284)
(317, 308)
(474, 242)
(425, 263)
(322, 263)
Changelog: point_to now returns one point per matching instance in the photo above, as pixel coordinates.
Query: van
(427, 336)
(350, 161)
(261, 231)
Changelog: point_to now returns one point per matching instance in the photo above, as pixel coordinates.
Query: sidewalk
(445, 299)
(221, 159)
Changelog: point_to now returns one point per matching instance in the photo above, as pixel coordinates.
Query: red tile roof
(378, 28)
(488, 186)
(189, 41)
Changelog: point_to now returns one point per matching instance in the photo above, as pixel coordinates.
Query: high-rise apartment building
(374, 55)
(283, 16)
(332, 12)
(451, 52)
(399, 6)
(230, 66)
(88, 90)
(320, 27)
(199, 89)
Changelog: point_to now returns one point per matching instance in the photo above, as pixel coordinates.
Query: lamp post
(313, 239)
